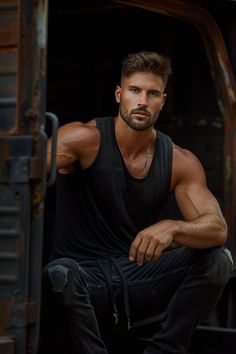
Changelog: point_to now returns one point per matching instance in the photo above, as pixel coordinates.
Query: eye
(134, 89)
(155, 93)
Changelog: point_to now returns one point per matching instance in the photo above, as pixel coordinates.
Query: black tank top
(102, 208)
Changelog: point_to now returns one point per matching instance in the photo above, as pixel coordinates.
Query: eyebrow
(139, 88)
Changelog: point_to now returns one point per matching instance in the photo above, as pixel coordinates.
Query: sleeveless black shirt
(101, 209)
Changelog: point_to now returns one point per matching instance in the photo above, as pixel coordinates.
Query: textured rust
(8, 25)
(4, 148)
(30, 114)
(8, 62)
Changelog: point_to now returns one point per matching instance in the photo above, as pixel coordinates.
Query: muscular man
(114, 269)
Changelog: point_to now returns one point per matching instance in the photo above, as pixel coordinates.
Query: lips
(141, 114)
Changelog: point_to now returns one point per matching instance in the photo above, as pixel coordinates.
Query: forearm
(203, 232)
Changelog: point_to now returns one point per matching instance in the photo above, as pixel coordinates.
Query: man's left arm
(203, 224)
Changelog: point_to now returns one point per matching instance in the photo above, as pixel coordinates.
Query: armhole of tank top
(170, 167)
(78, 168)
(169, 152)
(99, 123)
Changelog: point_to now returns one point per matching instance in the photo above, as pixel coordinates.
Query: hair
(147, 62)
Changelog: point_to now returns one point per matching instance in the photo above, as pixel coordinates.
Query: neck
(131, 141)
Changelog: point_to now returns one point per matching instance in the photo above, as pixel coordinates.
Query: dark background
(87, 41)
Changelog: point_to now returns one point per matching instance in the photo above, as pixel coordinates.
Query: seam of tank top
(137, 180)
(132, 178)
(159, 136)
(169, 167)
(95, 159)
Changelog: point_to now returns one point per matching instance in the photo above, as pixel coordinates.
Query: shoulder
(76, 141)
(186, 167)
(77, 137)
(185, 158)
(77, 131)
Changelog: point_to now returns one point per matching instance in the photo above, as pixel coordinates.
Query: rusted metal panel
(32, 65)
(224, 79)
(8, 64)
(22, 170)
(8, 25)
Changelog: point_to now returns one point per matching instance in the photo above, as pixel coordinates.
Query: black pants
(164, 300)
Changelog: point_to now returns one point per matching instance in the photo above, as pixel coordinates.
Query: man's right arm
(76, 141)
(66, 153)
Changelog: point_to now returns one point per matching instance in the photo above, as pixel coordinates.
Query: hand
(152, 241)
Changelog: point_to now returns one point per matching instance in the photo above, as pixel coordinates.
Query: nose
(142, 99)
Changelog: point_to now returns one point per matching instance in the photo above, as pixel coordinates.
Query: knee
(64, 280)
(219, 266)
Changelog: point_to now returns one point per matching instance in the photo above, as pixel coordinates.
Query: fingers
(134, 248)
(145, 249)
(141, 251)
(150, 242)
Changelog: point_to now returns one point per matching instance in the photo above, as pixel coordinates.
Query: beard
(135, 124)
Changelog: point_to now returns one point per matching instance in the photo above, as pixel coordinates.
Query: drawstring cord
(126, 292)
(111, 292)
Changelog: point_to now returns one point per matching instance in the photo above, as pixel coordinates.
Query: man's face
(141, 98)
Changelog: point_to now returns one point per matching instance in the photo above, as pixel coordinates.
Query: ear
(163, 99)
(117, 94)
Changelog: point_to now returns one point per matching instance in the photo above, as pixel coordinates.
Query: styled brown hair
(148, 62)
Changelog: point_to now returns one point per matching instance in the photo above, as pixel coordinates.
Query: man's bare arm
(203, 225)
(76, 142)
(65, 153)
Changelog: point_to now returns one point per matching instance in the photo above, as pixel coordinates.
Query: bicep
(64, 156)
(191, 192)
(65, 152)
(76, 142)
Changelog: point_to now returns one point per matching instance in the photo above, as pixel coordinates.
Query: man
(114, 267)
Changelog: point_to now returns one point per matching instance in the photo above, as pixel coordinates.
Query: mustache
(140, 109)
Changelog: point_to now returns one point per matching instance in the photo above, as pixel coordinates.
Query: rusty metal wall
(23, 26)
(8, 64)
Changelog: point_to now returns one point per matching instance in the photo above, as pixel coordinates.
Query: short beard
(127, 118)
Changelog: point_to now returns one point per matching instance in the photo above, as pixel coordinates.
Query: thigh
(98, 275)
(152, 285)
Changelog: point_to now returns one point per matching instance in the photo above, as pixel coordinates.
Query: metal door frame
(222, 74)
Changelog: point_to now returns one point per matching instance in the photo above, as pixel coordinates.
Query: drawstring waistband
(126, 291)
(111, 292)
